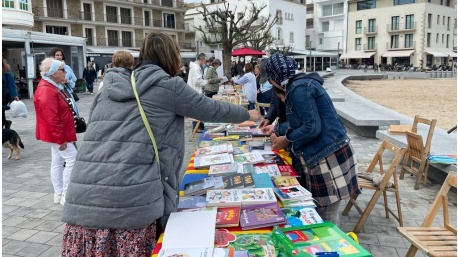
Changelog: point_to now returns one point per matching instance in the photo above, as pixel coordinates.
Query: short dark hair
(163, 50)
(201, 56)
(216, 62)
(248, 67)
(53, 52)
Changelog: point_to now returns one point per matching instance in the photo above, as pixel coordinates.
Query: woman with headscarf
(55, 124)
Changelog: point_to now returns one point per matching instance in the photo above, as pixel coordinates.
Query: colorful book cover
(262, 180)
(215, 124)
(190, 202)
(210, 135)
(219, 182)
(233, 181)
(247, 179)
(223, 169)
(239, 131)
(205, 143)
(257, 132)
(227, 138)
(245, 168)
(199, 187)
(241, 150)
(252, 157)
(214, 149)
(227, 217)
(271, 169)
(285, 181)
(272, 159)
(188, 252)
(258, 243)
(188, 178)
(299, 216)
(261, 215)
(208, 160)
(292, 192)
(309, 202)
(288, 170)
(225, 197)
(250, 196)
(200, 209)
(256, 144)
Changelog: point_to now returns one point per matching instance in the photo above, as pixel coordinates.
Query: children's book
(272, 159)
(288, 170)
(260, 216)
(188, 178)
(285, 181)
(219, 182)
(223, 198)
(239, 131)
(252, 157)
(214, 149)
(208, 160)
(205, 143)
(299, 216)
(199, 187)
(250, 196)
(247, 179)
(241, 150)
(201, 209)
(292, 192)
(271, 169)
(233, 181)
(227, 138)
(190, 202)
(258, 243)
(223, 169)
(211, 135)
(309, 202)
(257, 132)
(256, 144)
(262, 180)
(245, 168)
(227, 217)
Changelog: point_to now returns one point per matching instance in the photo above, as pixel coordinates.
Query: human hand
(263, 123)
(62, 147)
(220, 78)
(280, 143)
(268, 130)
(273, 137)
(254, 115)
(16, 98)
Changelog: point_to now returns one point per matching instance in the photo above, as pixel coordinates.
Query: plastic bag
(18, 109)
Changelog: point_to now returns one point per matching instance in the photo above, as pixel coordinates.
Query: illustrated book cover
(239, 131)
(208, 160)
(223, 198)
(241, 150)
(285, 181)
(261, 215)
(292, 192)
(233, 181)
(214, 149)
(288, 170)
(227, 217)
(299, 216)
(250, 196)
(252, 157)
(205, 143)
(223, 169)
(271, 169)
(191, 202)
(262, 180)
(199, 187)
(272, 159)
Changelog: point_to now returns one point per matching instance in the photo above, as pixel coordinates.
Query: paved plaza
(31, 221)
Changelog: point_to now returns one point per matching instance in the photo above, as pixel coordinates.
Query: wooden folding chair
(434, 241)
(381, 188)
(263, 105)
(418, 152)
(194, 130)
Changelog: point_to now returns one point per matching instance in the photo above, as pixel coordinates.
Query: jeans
(251, 106)
(60, 175)
(265, 98)
(90, 86)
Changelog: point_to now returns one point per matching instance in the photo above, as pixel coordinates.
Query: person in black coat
(89, 75)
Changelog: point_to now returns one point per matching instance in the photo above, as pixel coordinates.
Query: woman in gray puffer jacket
(118, 192)
(214, 80)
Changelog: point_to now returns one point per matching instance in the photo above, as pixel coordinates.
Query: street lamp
(338, 57)
(310, 58)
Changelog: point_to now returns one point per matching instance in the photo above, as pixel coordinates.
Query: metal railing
(370, 47)
(396, 27)
(370, 30)
(401, 45)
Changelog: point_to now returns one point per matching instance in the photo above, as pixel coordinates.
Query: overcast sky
(192, 1)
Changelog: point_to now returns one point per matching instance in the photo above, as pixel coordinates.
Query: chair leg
(367, 211)
(404, 162)
(426, 173)
(412, 251)
(194, 130)
(385, 200)
(349, 205)
(398, 203)
(418, 179)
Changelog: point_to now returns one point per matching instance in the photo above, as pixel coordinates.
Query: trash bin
(83, 86)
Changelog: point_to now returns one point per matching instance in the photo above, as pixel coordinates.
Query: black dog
(12, 141)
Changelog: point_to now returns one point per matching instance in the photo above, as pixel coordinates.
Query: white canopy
(437, 54)
(405, 53)
(356, 55)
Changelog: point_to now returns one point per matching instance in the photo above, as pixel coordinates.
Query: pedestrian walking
(89, 75)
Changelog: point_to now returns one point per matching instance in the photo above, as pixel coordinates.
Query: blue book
(262, 180)
(188, 178)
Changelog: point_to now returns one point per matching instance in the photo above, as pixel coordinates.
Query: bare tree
(229, 28)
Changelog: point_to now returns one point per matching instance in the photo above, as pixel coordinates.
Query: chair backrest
(258, 105)
(441, 199)
(432, 126)
(378, 158)
(415, 146)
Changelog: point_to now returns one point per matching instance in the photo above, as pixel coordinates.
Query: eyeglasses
(63, 70)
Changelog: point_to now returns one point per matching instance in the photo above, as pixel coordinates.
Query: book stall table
(293, 240)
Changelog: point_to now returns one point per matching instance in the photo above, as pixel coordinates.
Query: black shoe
(8, 124)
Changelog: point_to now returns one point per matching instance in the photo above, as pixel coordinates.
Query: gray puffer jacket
(116, 181)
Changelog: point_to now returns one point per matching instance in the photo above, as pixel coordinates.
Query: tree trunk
(227, 54)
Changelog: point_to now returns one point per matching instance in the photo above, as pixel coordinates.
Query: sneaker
(62, 200)
(57, 198)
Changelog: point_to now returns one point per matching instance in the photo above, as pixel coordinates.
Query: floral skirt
(81, 241)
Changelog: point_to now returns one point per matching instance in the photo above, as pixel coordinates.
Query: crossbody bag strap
(67, 100)
(145, 120)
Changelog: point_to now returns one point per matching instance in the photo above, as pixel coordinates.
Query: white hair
(46, 65)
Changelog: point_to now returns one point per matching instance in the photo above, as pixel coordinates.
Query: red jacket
(55, 123)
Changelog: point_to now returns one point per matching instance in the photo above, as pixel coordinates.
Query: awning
(437, 54)
(356, 55)
(451, 54)
(405, 53)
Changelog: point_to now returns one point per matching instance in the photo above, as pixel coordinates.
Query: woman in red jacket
(55, 124)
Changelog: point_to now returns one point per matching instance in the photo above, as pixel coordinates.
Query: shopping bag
(18, 109)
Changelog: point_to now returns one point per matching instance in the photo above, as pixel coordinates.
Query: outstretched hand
(254, 115)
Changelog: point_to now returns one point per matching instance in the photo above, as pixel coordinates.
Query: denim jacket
(314, 128)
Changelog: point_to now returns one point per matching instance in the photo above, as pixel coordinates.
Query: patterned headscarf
(280, 69)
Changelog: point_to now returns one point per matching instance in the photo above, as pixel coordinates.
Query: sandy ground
(430, 98)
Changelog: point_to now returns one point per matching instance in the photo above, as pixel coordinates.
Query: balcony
(17, 14)
(401, 27)
(279, 21)
(401, 45)
(279, 42)
(370, 47)
(166, 4)
(190, 46)
(370, 30)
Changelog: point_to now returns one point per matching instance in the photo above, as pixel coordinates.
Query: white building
(330, 25)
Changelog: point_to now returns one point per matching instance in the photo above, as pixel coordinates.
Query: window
(168, 3)
(448, 38)
(325, 26)
(371, 43)
(291, 37)
(327, 10)
(399, 2)
(395, 41)
(448, 23)
(395, 23)
(357, 43)
(443, 20)
(428, 40)
(126, 18)
(338, 8)
(112, 14)
(359, 26)
(55, 8)
(89, 38)
(23, 5)
(126, 38)
(56, 30)
(447, 3)
(169, 20)
(321, 41)
(372, 27)
(240, 15)
(408, 40)
(442, 2)
(410, 22)
(442, 38)
(87, 12)
(307, 41)
(364, 5)
(147, 18)
(438, 19)
(278, 33)
(113, 38)
(437, 38)
(8, 4)
(430, 17)
(279, 17)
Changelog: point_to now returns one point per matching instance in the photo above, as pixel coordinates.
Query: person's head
(5, 66)
(53, 69)
(216, 63)
(123, 59)
(248, 67)
(163, 50)
(257, 69)
(201, 59)
(57, 54)
(89, 64)
(280, 69)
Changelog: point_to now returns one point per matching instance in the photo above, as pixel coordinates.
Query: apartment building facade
(330, 25)
(418, 32)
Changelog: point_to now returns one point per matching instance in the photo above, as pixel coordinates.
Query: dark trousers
(90, 86)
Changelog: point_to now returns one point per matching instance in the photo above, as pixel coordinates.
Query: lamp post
(197, 48)
(310, 51)
(338, 57)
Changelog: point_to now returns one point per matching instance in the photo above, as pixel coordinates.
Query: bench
(362, 119)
